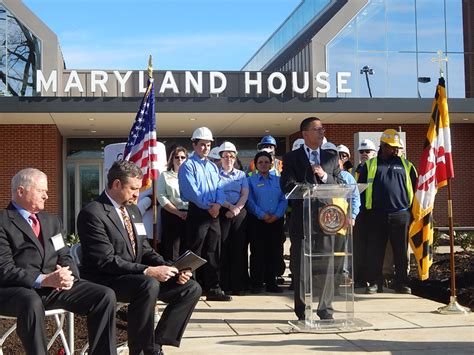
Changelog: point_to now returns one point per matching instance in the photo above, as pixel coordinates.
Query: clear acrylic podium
(326, 264)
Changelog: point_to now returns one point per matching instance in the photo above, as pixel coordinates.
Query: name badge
(140, 228)
(58, 242)
(261, 185)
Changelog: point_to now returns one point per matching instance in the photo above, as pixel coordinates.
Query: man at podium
(312, 165)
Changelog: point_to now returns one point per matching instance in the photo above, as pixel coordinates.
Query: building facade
(359, 65)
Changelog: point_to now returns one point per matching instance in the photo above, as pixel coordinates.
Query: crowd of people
(210, 206)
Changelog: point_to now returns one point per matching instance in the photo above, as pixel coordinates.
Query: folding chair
(59, 317)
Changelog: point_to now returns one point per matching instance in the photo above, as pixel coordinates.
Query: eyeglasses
(228, 157)
(317, 129)
(366, 151)
(180, 157)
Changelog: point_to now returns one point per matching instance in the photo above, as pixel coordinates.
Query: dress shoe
(324, 315)
(218, 295)
(274, 289)
(372, 289)
(402, 289)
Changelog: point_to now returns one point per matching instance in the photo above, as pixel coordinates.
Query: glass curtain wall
(389, 46)
(19, 56)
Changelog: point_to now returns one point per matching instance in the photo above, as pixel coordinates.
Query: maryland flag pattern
(436, 167)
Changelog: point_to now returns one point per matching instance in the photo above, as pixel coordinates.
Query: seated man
(116, 253)
(37, 273)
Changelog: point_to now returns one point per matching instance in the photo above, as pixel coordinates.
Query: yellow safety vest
(372, 170)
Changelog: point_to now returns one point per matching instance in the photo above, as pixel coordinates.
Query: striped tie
(129, 228)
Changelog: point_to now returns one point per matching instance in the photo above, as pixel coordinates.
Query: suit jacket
(22, 257)
(297, 169)
(106, 247)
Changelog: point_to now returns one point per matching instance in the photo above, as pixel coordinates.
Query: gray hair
(25, 178)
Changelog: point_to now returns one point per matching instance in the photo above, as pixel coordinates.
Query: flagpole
(453, 307)
(153, 181)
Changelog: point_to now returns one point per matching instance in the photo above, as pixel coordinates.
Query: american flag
(141, 145)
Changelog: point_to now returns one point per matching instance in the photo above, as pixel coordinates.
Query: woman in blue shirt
(233, 258)
(267, 205)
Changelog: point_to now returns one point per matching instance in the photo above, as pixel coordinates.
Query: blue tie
(315, 156)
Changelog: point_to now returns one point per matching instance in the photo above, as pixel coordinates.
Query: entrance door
(84, 184)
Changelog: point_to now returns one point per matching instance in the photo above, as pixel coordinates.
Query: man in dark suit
(309, 164)
(116, 253)
(37, 273)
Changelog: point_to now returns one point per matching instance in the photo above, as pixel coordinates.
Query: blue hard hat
(267, 140)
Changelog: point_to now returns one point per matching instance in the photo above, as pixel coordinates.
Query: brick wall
(462, 186)
(36, 146)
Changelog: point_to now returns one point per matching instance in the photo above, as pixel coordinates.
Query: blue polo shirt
(233, 183)
(265, 196)
(199, 182)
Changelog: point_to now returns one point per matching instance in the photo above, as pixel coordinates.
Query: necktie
(315, 156)
(128, 227)
(35, 225)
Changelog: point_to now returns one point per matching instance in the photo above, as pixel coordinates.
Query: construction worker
(199, 184)
(366, 151)
(268, 144)
(388, 198)
(345, 155)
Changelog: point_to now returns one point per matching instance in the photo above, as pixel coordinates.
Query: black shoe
(280, 280)
(372, 289)
(218, 295)
(404, 289)
(324, 315)
(274, 289)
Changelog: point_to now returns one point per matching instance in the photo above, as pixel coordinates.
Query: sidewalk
(258, 324)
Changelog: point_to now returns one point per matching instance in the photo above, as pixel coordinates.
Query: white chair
(59, 317)
(76, 254)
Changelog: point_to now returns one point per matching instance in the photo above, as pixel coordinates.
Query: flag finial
(440, 61)
(150, 67)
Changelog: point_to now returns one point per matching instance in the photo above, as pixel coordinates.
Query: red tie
(35, 225)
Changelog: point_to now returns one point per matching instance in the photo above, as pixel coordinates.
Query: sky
(179, 34)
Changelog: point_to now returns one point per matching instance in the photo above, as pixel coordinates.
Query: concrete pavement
(258, 324)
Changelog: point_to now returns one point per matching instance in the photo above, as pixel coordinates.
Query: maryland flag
(436, 167)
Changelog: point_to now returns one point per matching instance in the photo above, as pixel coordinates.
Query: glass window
(427, 69)
(377, 82)
(401, 32)
(371, 26)
(401, 75)
(455, 76)
(430, 25)
(454, 26)
(19, 56)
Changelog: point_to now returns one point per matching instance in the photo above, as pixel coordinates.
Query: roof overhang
(113, 116)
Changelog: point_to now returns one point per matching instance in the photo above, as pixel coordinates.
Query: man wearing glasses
(312, 165)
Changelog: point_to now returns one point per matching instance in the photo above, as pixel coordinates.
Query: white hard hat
(366, 144)
(341, 148)
(297, 143)
(329, 146)
(227, 147)
(202, 133)
(214, 153)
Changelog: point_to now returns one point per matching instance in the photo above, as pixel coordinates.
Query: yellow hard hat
(391, 137)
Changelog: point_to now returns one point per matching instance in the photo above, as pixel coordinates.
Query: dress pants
(174, 232)
(203, 238)
(97, 302)
(360, 256)
(388, 226)
(265, 250)
(141, 292)
(233, 255)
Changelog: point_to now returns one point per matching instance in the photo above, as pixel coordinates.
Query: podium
(326, 284)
